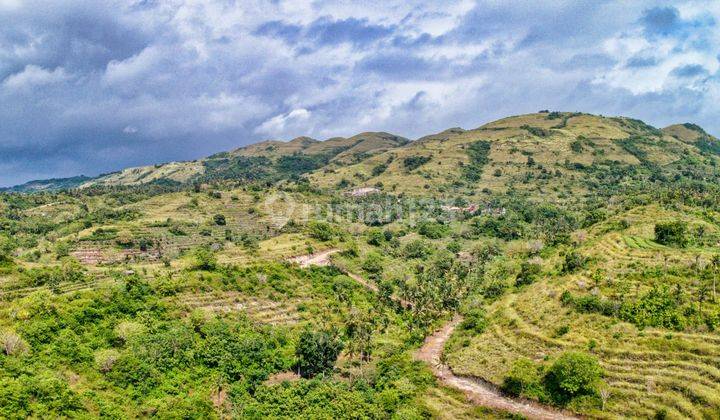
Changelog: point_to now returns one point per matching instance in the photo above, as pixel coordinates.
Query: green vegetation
(671, 233)
(413, 162)
(581, 252)
(478, 154)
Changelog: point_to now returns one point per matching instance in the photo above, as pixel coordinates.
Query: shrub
(413, 162)
(219, 220)
(105, 359)
(671, 233)
(12, 344)
(373, 263)
(573, 374)
(478, 153)
(375, 237)
(573, 262)
(474, 321)
(524, 379)
(576, 146)
(528, 273)
(417, 249)
(379, 169)
(204, 259)
(321, 231)
(432, 230)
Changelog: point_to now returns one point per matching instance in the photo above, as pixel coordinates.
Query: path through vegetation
(477, 391)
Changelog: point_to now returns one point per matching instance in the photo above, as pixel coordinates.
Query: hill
(555, 155)
(267, 160)
(559, 263)
(55, 184)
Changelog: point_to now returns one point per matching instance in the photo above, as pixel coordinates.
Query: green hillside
(571, 261)
(268, 160)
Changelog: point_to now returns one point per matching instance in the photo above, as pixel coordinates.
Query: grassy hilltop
(583, 253)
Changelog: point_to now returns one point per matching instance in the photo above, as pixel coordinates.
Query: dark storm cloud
(94, 86)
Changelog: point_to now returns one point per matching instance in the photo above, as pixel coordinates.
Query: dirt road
(477, 390)
(319, 258)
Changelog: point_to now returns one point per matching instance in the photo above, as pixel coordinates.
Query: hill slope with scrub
(576, 257)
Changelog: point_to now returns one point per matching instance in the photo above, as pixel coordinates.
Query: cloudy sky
(94, 86)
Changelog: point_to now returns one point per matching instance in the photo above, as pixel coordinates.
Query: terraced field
(648, 371)
(63, 288)
(261, 310)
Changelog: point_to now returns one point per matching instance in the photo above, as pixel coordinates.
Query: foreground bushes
(572, 375)
(659, 307)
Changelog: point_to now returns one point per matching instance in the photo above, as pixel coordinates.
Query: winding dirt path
(476, 390)
(323, 259)
(319, 258)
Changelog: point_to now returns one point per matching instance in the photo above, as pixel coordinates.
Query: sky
(89, 87)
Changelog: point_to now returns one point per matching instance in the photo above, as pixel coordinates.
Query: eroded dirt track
(319, 258)
(476, 390)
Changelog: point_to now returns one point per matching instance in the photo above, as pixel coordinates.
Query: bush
(375, 237)
(474, 321)
(432, 230)
(528, 273)
(417, 249)
(413, 162)
(524, 379)
(379, 169)
(574, 261)
(12, 344)
(204, 259)
(219, 220)
(105, 359)
(321, 231)
(373, 263)
(573, 374)
(671, 233)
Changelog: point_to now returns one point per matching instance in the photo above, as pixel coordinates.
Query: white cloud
(33, 75)
(190, 78)
(137, 66)
(282, 124)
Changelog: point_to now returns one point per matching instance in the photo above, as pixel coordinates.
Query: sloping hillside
(557, 155)
(54, 184)
(270, 159)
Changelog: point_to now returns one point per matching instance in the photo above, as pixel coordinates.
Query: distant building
(361, 192)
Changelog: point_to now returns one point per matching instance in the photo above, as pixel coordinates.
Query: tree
(317, 352)
(573, 374)
(359, 330)
(671, 233)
